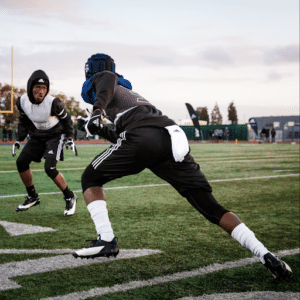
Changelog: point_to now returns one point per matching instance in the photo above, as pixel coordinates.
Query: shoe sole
(24, 209)
(96, 255)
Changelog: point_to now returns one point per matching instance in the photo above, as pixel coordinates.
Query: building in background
(287, 128)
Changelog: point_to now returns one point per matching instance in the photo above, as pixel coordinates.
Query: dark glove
(95, 123)
(70, 143)
(15, 146)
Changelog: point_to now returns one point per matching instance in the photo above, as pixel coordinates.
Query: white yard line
(15, 229)
(47, 264)
(266, 295)
(35, 251)
(213, 160)
(241, 160)
(165, 279)
(42, 170)
(164, 184)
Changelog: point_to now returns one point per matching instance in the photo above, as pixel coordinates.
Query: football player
(49, 126)
(145, 138)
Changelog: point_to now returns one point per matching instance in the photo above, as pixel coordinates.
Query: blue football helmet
(97, 63)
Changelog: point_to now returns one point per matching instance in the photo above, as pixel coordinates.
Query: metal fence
(218, 132)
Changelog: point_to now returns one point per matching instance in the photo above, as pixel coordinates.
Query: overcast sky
(198, 51)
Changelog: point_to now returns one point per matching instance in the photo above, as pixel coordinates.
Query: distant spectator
(220, 136)
(75, 126)
(263, 134)
(4, 134)
(226, 134)
(211, 134)
(267, 135)
(218, 133)
(273, 134)
(10, 131)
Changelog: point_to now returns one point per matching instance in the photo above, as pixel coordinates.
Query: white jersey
(39, 114)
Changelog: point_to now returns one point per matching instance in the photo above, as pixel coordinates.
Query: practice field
(167, 249)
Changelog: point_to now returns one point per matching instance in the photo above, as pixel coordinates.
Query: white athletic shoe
(99, 248)
(70, 206)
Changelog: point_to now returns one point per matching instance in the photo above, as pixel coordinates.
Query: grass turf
(159, 218)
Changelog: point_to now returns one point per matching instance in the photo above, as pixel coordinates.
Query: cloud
(217, 57)
(274, 76)
(38, 6)
(279, 55)
(39, 11)
(158, 59)
(68, 58)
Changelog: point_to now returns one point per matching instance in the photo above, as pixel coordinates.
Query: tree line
(216, 117)
(11, 119)
(75, 111)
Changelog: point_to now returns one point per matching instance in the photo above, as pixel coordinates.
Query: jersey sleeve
(24, 123)
(104, 85)
(59, 110)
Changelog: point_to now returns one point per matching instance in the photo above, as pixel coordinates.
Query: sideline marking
(164, 279)
(163, 184)
(266, 295)
(18, 229)
(47, 264)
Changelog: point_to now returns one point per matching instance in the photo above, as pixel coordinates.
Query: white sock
(247, 239)
(99, 215)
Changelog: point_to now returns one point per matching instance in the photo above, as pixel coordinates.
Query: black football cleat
(99, 248)
(278, 268)
(29, 202)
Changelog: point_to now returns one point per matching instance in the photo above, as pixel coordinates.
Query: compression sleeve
(59, 110)
(24, 122)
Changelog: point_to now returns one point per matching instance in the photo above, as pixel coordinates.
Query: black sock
(68, 193)
(31, 191)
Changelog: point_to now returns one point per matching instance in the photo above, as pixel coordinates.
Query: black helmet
(37, 77)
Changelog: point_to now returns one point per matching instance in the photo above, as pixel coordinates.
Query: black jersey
(124, 107)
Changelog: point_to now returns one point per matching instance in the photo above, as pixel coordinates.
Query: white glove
(15, 146)
(91, 124)
(94, 123)
(70, 143)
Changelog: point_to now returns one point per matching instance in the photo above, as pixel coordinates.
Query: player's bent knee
(50, 168)
(92, 178)
(206, 204)
(52, 172)
(22, 163)
(88, 179)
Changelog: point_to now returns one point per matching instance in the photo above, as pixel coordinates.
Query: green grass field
(259, 183)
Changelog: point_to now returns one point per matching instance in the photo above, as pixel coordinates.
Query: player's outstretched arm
(93, 125)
